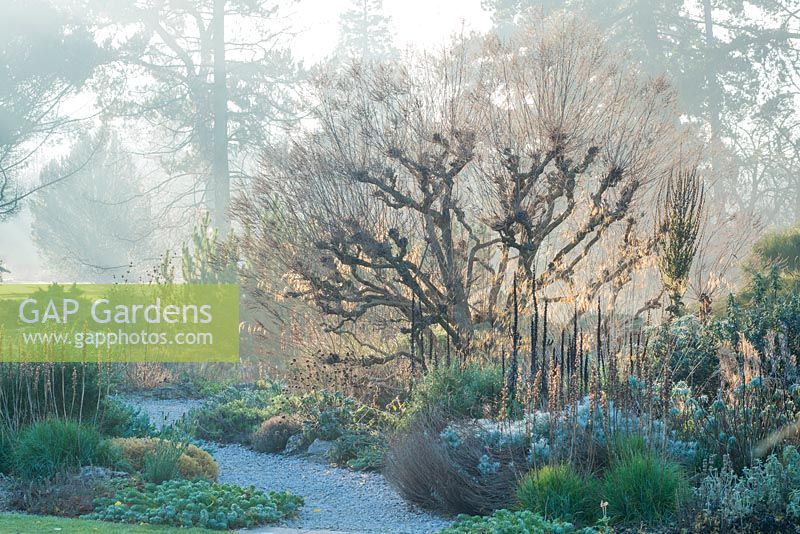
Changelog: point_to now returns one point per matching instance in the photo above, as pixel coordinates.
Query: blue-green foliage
(733, 426)
(507, 522)
(551, 433)
(768, 488)
(197, 503)
(120, 419)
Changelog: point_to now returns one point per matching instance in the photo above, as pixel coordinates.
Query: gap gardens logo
(121, 322)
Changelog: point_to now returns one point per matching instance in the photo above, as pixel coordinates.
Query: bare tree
(575, 140)
(432, 183)
(366, 213)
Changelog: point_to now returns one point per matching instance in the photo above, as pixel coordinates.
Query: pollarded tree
(574, 141)
(736, 69)
(366, 214)
(422, 188)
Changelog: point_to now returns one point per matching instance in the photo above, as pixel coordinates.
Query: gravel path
(162, 412)
(336, 499)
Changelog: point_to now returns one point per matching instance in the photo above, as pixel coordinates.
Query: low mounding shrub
(193, 462)
(506, 522)
(642, 488)
(460, 392)
(197, 503)
(762, 497)
(266, 418)
(119, 419)
(274, 433)
(229, 422)
(328, 416)
(233, 415)
(360, 450)
(67, 494)
(368, 459)
(559, 492)
(451, 469)
(53, 446)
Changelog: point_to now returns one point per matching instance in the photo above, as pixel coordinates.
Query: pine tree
(365, 32)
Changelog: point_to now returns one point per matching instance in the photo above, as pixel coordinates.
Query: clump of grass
(643, 488)
(461, 392)
(559, 492)
(53, 446)
(463, 476)
(8, 439)
(163, 462)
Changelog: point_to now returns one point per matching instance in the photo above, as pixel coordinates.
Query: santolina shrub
(192, 462)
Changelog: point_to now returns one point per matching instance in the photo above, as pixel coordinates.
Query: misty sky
(419, 24)
(416, 23)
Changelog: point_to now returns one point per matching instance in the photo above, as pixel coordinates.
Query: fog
(313, 31)
(129, 127)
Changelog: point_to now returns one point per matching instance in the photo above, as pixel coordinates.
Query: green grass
(40, 524)
(643, 488)
(53, 446)
(559, 492)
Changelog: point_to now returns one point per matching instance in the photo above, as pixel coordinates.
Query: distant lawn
(41, 524)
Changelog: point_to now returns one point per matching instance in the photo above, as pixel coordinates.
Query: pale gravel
(335, 499)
